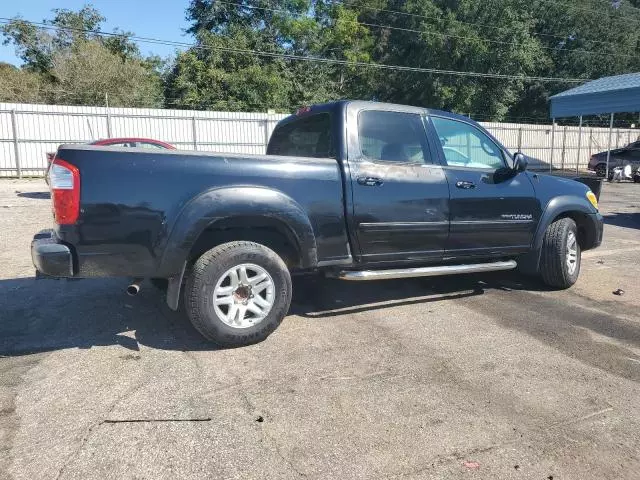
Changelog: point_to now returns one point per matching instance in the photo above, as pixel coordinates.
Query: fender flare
(557, 206)
(218, 204)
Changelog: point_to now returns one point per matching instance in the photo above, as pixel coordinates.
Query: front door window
(466, 146)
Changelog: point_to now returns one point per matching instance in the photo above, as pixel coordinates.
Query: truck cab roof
(341, 106)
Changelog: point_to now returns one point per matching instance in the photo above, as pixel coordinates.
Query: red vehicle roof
(111, 141)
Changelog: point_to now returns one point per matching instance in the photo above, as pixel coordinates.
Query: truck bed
(131, 200)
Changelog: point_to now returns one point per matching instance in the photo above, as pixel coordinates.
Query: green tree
(88, 71)
(36, 45)
(517, 38)
(259, 54)
(222, 72)
(20, 86)
(588, 40)
(74, 63)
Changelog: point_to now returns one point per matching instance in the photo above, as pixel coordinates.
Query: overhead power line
(483, 25)
(555, 2)
(607, 6)
(436, 34)
(305, 58)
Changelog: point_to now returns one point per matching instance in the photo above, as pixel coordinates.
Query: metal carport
(620, 93)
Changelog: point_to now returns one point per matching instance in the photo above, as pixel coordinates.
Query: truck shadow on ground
(625, 220)
(35, 195)
(47, 315)
(317, 297)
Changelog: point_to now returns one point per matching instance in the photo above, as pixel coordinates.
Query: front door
(400, 192)
(490, 214)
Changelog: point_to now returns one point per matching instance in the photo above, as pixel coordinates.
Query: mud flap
(174, 288)
(529, 263)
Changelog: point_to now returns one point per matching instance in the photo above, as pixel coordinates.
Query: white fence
(560, 147)
(28, 132)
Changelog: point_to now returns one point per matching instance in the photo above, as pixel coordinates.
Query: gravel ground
(485, 376)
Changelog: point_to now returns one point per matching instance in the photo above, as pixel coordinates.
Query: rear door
(490, 214)
(400, 192)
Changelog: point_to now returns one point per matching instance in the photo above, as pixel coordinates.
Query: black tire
(601, 170)
(553, 263)
(210, 268)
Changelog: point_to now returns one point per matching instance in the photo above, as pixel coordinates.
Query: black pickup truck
(355, 190)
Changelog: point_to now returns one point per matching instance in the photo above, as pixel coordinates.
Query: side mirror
(519, 162)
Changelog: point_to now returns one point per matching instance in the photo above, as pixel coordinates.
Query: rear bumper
(50, 256)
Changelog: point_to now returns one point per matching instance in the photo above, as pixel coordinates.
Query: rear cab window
(310, 136)
(393, 137)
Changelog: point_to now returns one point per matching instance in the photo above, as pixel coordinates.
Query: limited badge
(517, 216)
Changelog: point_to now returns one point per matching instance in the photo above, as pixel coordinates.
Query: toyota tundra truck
(354, 190)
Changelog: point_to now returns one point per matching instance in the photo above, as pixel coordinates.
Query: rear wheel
(601, 170)
(238, 293)
(561, 255)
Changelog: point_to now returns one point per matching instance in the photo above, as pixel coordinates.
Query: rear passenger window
(393, 137)
(307, 137)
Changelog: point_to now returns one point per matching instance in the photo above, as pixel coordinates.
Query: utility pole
(564, 145)
(609, 147)
(16, 147)
(553, 142)
(106, 102)
(579, 146)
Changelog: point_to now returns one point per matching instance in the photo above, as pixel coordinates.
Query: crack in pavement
(282, 456)
(93, 426)
(83, 441)
(13, 371)
(571, 421)
(115, 421)
(266, 438)
(153, 420)
(447, 458)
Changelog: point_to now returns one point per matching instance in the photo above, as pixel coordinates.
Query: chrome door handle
(370, 181)
(465, 185)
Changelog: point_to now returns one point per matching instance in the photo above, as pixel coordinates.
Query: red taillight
(64, 180)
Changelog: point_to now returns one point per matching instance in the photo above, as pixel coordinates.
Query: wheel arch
(272, 232)
(561, 207)
(219, 215)
(238, 208)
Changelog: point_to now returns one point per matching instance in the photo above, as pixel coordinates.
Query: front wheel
(238, 293)
(561, 255)
(601, 170)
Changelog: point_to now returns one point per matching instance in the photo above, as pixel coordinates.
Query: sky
(162, 19)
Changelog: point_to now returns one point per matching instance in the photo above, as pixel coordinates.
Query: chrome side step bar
(426, 271)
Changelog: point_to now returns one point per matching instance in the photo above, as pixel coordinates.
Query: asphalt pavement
(483, 376)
